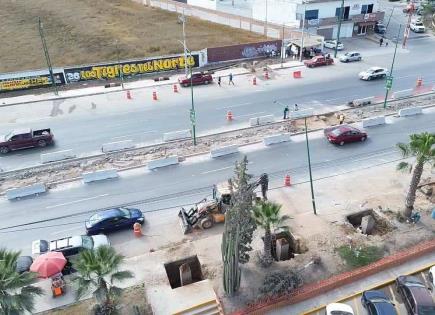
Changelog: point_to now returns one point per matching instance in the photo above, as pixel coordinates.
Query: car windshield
(340, 313)
(87, 242)
(336, 132)
(426, 310)
(419, 24)
(125, 212)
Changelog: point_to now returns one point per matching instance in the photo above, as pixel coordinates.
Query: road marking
(132, 134)
(356, 305)
(75, 201)
(63, 230)
(253, 114)
(234, 106)
(217, 170)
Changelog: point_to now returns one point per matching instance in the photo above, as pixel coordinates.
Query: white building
(321, 16)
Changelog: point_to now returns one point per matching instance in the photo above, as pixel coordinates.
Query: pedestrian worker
(296, 108)
(381, 40)
(286, 112)
(219, 80)
(341, 119)
(230, 77)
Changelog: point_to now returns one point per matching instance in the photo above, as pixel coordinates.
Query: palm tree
(98, 270)
(16, 292)
(267, 215)
(422, 146)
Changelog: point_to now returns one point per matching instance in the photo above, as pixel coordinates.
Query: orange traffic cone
(137, 229)
(229, 116)
(266, 75)
(128, 95)
(154, 95)
(419, 82)
(175, 88)
(254, 81)
(287, 181)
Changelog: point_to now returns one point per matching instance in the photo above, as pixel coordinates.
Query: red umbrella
(48, 264)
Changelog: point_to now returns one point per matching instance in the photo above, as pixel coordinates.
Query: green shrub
(357, 257)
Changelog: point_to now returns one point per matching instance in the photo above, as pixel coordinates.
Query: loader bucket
(184, 222)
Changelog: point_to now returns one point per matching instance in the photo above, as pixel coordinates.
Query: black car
(377, 303)
(380, 28)
(415, 295)
(113, 219)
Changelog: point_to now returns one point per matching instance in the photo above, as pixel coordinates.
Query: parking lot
(389, 288)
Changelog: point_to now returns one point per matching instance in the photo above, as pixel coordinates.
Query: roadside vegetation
(361, 256)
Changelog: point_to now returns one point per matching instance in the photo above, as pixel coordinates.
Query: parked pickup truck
(318, 61)
(69, 246)
(197, 78)
(22, 139)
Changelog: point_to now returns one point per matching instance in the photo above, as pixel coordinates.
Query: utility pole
(303, 30)
(309, 167)
(388, 23)
(47, 56)
(341, 14)
(389, 81)
(182, 19)
(265, 24)
(121, 73)
(411, 7)
(282, 46)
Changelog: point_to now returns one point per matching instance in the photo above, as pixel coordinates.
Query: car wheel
(42, 143)
(185, 85)
(341, 143)
(384, 75)
(369, 78)
(363, 139)
(359, 59)
(4, 150)
(206, 82)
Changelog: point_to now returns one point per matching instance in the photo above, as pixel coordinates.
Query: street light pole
(390, 77)
(47, 56)
(309, 168)
(303, 29)
(388, 23)
(339, 27)
(182, 18)
(121, 73)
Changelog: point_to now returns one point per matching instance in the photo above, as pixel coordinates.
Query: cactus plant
(230, 258)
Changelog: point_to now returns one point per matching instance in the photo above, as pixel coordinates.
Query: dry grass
(85, 31)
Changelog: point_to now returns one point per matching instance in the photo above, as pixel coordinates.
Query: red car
(197, 78)
(318, 61)
(344, 134)
(22, 139)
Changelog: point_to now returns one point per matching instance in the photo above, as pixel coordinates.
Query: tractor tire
(206, 223)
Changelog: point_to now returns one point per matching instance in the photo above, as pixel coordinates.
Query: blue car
(113, 219)
(377, 303)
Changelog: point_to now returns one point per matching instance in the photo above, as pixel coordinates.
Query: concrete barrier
(170, 160)
(221, 151)
(374, 121)
(410, 111)
(34, 189)
(301, 113)
(116, 146)
(363, 101)
(403, 93)
(262, 120)
(282, 137)
(57, 156)
(89, 177)
(177, 135)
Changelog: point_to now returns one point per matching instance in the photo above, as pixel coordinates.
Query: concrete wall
(278, 11)
(208, 4)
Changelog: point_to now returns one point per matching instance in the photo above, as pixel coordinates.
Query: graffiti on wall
(29, 81)
(128, 69)
(252, 51)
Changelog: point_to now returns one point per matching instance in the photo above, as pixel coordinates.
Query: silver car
(351, 56)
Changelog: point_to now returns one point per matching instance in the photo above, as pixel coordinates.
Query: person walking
(286, 110)
(386, 44)
(296, 108)
(341, 119)
(381, 40)
(219, 80)
(230, 77)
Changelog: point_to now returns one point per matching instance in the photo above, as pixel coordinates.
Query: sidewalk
(354, 288)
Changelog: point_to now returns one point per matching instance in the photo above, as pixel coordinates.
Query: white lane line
(253, 114)
(64, 230)
(75, 201)
(235, 106)
(217, 170)
(133, 134)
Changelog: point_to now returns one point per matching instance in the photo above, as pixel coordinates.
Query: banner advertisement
(128, 68)
(29, 81)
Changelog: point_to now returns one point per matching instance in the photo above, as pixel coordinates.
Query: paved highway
(83, 129)
(158, 193)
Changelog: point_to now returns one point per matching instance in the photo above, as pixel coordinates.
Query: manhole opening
(184, 271)
(369, 222)
(285, 245)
